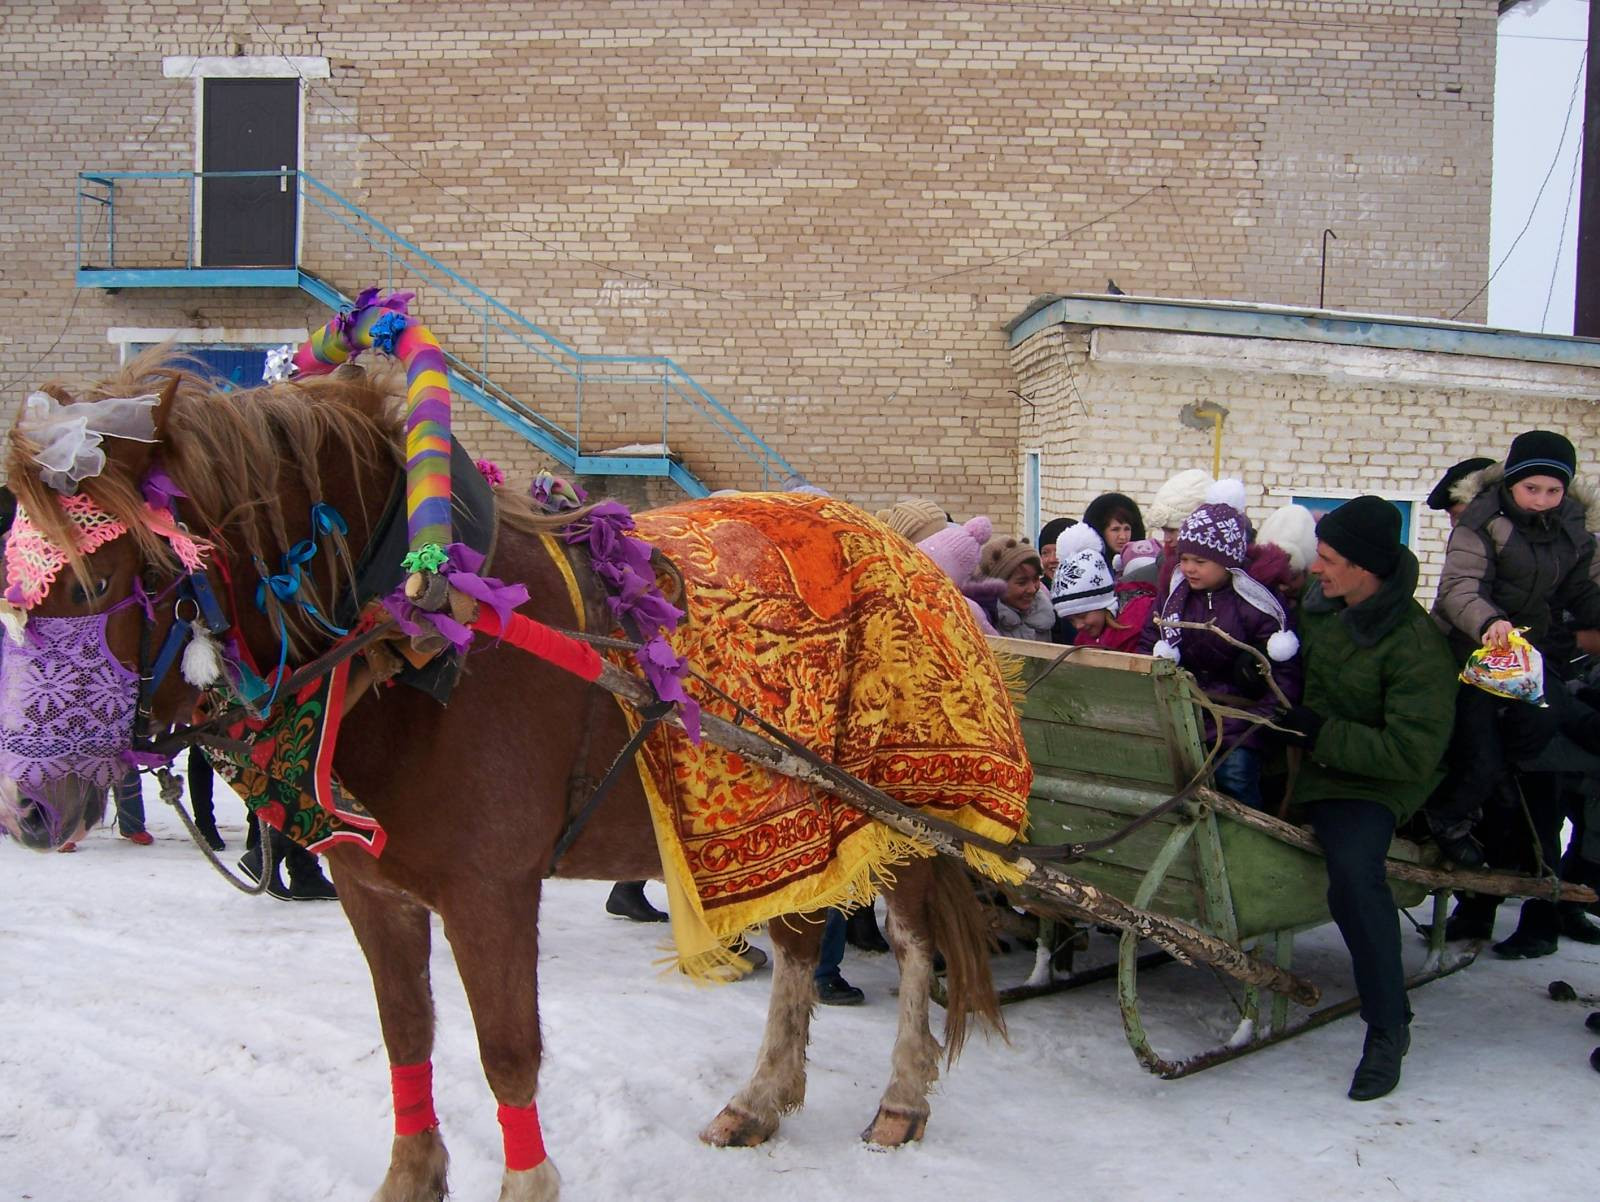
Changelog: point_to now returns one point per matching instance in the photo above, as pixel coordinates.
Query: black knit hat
(1051, 530)
(1540, 453)
(1366, 531)
(1440, 497)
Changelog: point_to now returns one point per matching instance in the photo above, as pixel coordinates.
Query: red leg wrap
(523, 1138)
(413, 1098)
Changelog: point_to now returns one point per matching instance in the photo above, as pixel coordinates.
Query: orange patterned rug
(818, 618)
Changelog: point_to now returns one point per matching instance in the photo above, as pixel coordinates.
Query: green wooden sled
(1113, 736)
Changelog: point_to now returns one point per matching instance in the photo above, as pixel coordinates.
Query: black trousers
(1490, 736)
(200, 781)
(1355, 837)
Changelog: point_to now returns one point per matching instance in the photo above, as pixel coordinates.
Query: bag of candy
(1516, 673)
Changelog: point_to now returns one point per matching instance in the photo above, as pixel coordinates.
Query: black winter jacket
(1504, 562)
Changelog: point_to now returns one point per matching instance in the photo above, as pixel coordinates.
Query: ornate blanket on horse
(820, 620)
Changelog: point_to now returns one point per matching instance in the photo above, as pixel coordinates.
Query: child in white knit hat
(1102, 612)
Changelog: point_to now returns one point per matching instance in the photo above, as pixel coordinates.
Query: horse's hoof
(736, 1129)
(891, 1128)
(417, 1168)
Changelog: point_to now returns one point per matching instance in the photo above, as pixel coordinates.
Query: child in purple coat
(1213, 587)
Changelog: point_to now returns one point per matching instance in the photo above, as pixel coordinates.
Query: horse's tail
(961, 932)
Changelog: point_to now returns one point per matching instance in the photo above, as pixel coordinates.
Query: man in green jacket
(1380, 688)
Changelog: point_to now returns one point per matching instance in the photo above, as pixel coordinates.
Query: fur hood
(1475, 484)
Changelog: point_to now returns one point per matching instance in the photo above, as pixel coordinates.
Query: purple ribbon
(461, 571)
(622, 563)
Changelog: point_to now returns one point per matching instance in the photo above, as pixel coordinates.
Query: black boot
(1473, 918)
(306, 883)
(1576, 923)
(1535, 935)
(861, 930)
(250, 865)
(208, 831)
(1379, 1070)
(834, 990)
(627, 900)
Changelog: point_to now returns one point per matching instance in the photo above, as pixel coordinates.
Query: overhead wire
(1538, 196)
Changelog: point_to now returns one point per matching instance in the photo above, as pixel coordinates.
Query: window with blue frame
(229, 367)
(1320, 506)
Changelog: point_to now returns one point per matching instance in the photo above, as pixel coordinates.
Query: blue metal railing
(453, 301)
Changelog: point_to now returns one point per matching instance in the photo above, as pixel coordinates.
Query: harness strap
(651, 716)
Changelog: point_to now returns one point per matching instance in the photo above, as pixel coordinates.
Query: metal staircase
(154, 215)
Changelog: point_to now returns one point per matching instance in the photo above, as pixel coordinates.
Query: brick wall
(825, 212)
(1316, 430)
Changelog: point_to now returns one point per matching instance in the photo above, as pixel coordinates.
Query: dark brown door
(250, 125)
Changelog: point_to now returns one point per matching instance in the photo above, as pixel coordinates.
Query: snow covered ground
(170, 1039)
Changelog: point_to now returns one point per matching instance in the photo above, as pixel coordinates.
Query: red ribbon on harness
(413, 1098)
(538, 639)
(524, 1141)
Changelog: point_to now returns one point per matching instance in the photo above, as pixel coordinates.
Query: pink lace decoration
(33, 561)
(66, 704)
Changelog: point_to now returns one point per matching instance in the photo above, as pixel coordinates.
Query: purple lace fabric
(66, 704)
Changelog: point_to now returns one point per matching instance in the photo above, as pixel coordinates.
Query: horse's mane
(236, 454)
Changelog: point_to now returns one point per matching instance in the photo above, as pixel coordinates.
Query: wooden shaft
(1502, 884)
(1186, 943)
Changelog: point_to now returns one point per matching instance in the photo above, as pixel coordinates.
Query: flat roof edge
(1302, 325)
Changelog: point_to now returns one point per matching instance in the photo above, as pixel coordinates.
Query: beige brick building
(826, 213)
(1319, 407)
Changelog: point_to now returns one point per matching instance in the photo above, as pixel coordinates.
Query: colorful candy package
(1516, 673)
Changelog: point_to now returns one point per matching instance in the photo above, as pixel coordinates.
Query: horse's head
(83, 552)
(102, 573)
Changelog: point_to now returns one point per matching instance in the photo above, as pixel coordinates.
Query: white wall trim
(249, 66)
(126, 337)
(1349, 366)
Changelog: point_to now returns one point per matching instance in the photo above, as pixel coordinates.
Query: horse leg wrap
(519, 1125)
(413, 1098)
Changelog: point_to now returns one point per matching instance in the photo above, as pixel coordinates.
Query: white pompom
(1283, 646)
(1227, 491)
(202, 658)
(1165, 650)
(1073, 539)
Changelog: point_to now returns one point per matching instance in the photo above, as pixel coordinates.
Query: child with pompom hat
(1102, 612)
(957, 549)
(1023, 610)
(1213, 588)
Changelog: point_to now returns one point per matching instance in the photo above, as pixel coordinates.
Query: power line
(1566, 213)
(1567, 124)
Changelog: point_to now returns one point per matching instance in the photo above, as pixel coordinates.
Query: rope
(172, 794)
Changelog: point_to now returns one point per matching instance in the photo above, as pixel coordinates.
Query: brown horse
(472, 796)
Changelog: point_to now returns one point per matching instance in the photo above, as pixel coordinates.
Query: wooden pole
(1502, 884)
(1586, 299)
(1184, 942)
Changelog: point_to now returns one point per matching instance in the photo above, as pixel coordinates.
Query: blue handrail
(495, 320)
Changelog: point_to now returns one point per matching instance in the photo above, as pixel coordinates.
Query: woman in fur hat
(1214, 588)
(1116, 519)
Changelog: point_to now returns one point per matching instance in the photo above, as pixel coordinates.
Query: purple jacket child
(1242, 607)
